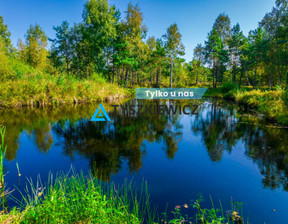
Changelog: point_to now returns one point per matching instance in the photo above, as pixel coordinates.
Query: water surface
(217, 152)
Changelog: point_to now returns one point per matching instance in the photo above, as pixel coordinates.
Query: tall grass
(270, 103)
(46, 90)
(74, 198)
(78, 199)
(2, 154)
(212, 215)
(23, 85)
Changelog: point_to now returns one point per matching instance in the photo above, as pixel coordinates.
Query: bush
(228, 86)
(230, 95)
(98, 78)
(5, 68)
(285, 97)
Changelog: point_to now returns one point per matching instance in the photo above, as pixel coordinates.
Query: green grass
(270, 103)
(209, 216)
(23, 85)
(2, 154)
(3, 147)
(80, 199)
(53, 90)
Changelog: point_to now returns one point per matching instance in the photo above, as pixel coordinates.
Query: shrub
(98, 78)
(285, 97)
(5, 68)
(228, 86)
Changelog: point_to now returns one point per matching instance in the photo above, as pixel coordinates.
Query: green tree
(235, 41)
(34, 50)
(159, 54)
(215, 54)
(131, 50)
(99, 31)
(222, 27)
(63, 46)
(198, 60)
(174, 45)
(257, 41)
(151, 42)
(5, 34)
(216, 47)
(244, 59)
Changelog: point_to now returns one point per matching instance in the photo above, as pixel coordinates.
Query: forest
(111, 49)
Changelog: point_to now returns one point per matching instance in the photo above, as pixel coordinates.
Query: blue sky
(194, 17)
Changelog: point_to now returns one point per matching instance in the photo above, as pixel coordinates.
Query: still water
(217, 153)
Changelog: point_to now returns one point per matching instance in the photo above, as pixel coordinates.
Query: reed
(2, 154)
(3, 147)
(75, 198)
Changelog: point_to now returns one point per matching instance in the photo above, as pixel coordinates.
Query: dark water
(216, 152)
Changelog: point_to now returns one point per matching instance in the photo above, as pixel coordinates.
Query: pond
(217, 152)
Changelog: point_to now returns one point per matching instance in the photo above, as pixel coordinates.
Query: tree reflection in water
(108, 145)
(268, 147)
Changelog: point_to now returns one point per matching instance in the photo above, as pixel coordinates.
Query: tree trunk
(171, 69)
(126, 78)
(270, 79)
(247, 79)
(109, 78)
(67, 65)
(122, 76)
(157, 76)
(117, 74)
(240, 80)
(204, 77)
(132, 79)
(234, 69)
(234, 74)
(280, 75)
(160, 77)
(113, 74)
(216, 76)
(78, 70)
(213, 70)
(67, 58)
(254, 81)
(151, 78)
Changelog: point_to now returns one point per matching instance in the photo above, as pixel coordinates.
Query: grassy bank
(53, 90)
(272, 104)
(79, 199)
(23, 85)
